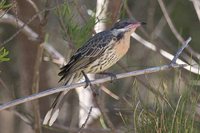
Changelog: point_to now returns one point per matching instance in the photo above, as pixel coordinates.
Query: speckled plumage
(98, 54)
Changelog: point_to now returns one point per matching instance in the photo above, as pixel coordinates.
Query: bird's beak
(136, 25)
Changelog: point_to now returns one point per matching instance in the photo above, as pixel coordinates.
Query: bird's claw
(88, 83)
(112, 75)
(87, 80)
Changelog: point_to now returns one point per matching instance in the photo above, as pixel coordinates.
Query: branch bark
(98, 81)
(173, 29)
(191, 68)
(196, 4)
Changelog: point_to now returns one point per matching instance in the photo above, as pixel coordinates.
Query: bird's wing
(88, 53)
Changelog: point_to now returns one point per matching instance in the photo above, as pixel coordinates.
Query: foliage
(3, 54)
(164, 116)
(3, 51)
(71, 30)
(164, 120)
(3, 5)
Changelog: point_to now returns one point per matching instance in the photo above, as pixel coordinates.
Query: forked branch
(98, 81)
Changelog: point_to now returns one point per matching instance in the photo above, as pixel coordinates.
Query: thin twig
(60, 60)
(32, 3)
(167, 55)
(169, 21)
(63, 26)
(36, 76)
(10, 19)
(78, 8)
(84, 124)
(15, 21)
(153, 47)
(173, 29)
(24, 117)
(55, 55)
(4, 84)
(98, 81)
(162, 22)
(85, 130)
(130, 15)
(20, 29)
(185, 44)
(107, 91)
(35, 88)
(150, 16)
(28, 120)
(104, 114)
(196, 4)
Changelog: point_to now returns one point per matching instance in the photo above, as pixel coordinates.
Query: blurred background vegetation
(162, 102)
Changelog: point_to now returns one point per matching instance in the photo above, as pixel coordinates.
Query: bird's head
(126, 26)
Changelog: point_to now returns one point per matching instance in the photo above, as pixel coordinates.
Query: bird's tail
(53, 112)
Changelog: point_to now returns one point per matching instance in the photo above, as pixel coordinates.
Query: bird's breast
(121, 47)
(111, 55)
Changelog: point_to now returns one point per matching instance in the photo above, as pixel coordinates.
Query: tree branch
(10, 19)
(191, 68)
(196, 4)
(173, 29)
(185, 44)
(98, 81)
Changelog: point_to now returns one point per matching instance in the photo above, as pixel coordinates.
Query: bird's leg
(112, 75)
(88, 83)
(87, 80)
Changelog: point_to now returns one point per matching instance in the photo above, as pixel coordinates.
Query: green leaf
(3, 54)
(78, 34)
(4, 5)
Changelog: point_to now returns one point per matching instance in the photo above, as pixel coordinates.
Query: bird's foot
(112, 75)
(87, 80)
(88, 83)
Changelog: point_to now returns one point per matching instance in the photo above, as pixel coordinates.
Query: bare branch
(23, 117)
(28, 120)
(83, 125)
(169, 21)
(85, 130)
(35, 89)
(98, 81)
(193, 69)
(130, 15)
(196, 4)
(10, 19)
(62, 24)
(7, 18)
(185, 44)
(162, 22)
(32, 3)
(173, 29)
(55, 55)
(107, 91)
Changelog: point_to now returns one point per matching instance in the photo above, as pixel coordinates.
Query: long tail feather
(53, 112)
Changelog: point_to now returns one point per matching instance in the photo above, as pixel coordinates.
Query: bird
(98, 54)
